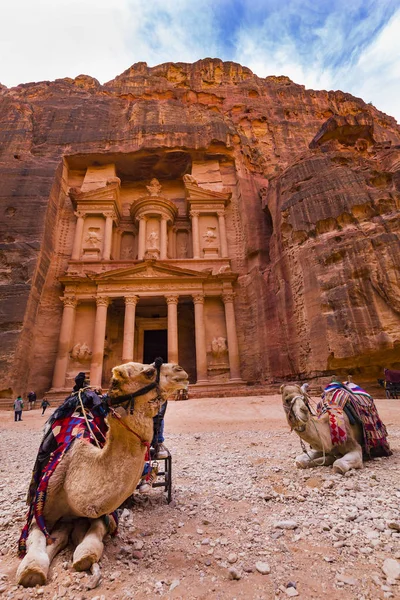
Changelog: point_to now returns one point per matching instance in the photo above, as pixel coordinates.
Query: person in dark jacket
(32, 400)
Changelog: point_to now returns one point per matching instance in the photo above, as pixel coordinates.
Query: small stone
(234, 574)
(263, 567)
(394, 525)
(232, 558)
(138, 544)
(174, 584)
(391, 568)
(346, 579)
(291, 592)
(115, 575)
(137, 554)
(285, 525)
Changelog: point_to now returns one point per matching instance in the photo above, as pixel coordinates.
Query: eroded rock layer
(314, 237)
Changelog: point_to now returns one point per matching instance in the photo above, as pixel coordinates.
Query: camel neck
(310, 433)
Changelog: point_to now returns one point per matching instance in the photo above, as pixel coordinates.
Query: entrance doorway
(155, 344)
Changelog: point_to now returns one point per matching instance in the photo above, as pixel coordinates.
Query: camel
(90, 482)
(316, 433)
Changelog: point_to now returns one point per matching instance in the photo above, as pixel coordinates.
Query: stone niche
(209, 237)
(128, 246)
(93, 238)
(216, 339)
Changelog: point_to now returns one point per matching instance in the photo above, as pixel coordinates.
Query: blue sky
(352, 45)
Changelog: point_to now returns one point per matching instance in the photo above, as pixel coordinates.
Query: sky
(351, 45)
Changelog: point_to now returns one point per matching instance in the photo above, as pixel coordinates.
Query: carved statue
(93, 237)
(81, 352)
(210, 236)
(154, 188)
(190, 179)
(183, 249)
(218, 346)
(127, 252)
(152, 240)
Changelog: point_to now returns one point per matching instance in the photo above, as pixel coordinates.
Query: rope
(86, 419)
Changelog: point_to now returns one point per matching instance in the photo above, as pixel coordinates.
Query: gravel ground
(244, 522)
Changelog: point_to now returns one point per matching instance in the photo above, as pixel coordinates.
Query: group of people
(19, 405)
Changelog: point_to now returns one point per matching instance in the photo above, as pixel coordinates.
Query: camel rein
(289, 411)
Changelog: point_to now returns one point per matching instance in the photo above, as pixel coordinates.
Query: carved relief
(154, 188)
(93, 237)
(81, 352)
(152, 240)
(218, 347)
(210, 236)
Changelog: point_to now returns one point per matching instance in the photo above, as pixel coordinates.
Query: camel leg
(91, 548)
(313, 459)
(79, 531)
(34, 567)
(351, 460)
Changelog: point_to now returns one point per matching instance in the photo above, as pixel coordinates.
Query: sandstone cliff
(319, 178)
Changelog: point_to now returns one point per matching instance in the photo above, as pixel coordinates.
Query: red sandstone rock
(316, 243)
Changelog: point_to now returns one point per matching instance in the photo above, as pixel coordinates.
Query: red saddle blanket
(360, 407)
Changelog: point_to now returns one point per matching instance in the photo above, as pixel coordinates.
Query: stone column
(233, 346)
(172, 301)
(195, 233)
(163, 238)
(222, 234)
(142, 238)
(200, 338)
(108, 235)
(96, 367)
(129, 328)
(76, 249)
(64, 341)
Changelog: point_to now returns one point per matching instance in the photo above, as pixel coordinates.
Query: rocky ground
(244, 522)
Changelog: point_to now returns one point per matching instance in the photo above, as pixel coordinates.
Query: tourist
(32, 400)
(44, 405)
(18, 406)
(159, 452)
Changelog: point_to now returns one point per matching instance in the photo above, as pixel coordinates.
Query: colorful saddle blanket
(359, 406)
(63, 431)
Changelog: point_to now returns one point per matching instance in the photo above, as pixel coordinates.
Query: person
(32, 400)
(44, 405)
(158, 452)
(18, 406)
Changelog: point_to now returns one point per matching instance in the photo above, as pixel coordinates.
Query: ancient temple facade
(149, 274)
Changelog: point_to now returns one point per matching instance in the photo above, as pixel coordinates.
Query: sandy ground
(238, 501)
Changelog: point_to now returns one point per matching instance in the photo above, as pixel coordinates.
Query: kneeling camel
(90, 482)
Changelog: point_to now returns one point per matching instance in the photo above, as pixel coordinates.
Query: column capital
(172, 299)
(228, 297)
(80, 214)
(69, 301)
(194, 213)
(198, 298)
(110, 214)
(220, 213)
(131, 300)
(102, 300)
(141, 218)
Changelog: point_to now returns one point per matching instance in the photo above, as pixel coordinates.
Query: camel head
(132, 377)
(295, 406)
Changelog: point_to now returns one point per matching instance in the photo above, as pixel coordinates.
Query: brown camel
(91, 482)
(316, 433)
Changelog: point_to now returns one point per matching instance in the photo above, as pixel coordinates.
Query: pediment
(149, 270)
(195, 193)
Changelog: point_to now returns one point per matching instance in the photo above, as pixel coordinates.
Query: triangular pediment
(105, 191)
(150, 270)
(195, 193)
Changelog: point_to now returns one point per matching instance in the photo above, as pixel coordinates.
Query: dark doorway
(155, 344)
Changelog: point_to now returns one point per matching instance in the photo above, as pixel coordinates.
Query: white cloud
(323, 46)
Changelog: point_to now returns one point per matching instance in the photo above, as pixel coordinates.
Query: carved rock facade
(196, 202)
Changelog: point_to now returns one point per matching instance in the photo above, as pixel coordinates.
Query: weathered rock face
(317, 176)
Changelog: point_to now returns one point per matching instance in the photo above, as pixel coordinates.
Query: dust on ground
(239, 507)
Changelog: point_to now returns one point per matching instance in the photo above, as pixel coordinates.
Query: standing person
(18, 406)
(44, 405)
(32, 400)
